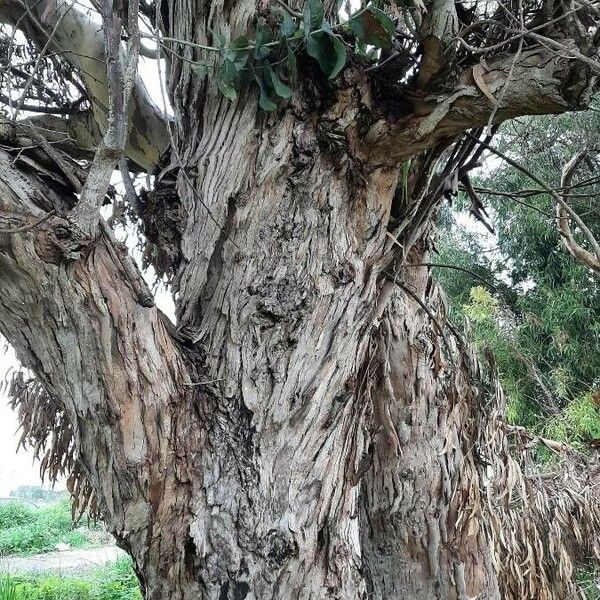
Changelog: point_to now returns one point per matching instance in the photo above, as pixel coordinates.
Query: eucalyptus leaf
(228, 80)
(264, 99)
(373, 27)
(328, 50)
(263, 36)
(288, 25)
(200, 69)
(219, 40)
(313, 15)
(291, 62)
(238, 52)
(280, 88)
(326, 26)
(226, 89)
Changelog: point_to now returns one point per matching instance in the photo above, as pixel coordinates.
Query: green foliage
(482, 306)
(373, 27)
(577, 423)
(27, 530)
(15, 513)
(588, 583)
(268, 60)
(113, 582)
(328, 51)
(544, 322)
(8, 589)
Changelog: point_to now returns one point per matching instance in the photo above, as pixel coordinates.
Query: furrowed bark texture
(78, 326)
(304, 433)
(329, 451)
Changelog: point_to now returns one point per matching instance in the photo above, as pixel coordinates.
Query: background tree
(541, 315)
(309, 427)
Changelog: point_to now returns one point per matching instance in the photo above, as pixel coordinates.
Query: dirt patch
(68, 561)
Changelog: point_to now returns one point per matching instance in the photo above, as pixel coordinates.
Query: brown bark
(309, 429)
(331, 452)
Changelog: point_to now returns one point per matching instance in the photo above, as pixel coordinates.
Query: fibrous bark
(310, 428)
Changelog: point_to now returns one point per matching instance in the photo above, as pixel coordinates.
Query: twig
(504, 89)
(289, 9)
(519, 34)
(445, 266)
(29, 83)
(121, 74)
(431, 317)
(552, 445)
(588, 259)
(46, 110)
(130, 192)
(29, 226)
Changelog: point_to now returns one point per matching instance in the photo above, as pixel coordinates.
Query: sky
(16, 469)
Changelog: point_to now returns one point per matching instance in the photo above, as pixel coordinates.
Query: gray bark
(304, 432)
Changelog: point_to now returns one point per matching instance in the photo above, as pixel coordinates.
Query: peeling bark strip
(309, 430)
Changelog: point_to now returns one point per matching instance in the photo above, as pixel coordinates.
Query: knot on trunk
(277, 548)
(60, 239)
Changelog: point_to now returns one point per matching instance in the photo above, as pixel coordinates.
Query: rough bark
(308, 429)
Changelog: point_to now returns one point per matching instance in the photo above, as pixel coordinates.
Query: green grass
(113, 582)
(587, 579)
(25, 529)
(8, 589)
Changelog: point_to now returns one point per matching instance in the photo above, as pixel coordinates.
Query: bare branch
(29, 226)
(589, 259)
(562, 204)
(79, 40)
(121, 72)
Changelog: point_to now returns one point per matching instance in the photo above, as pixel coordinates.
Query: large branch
(79, 40)
(535, 82)
(79, 327)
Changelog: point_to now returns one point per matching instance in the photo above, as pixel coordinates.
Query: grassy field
(113, 582)
(25, 529)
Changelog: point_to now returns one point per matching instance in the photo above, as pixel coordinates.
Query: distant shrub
(578, 423)
(37, 493)
(112, 582)
(14, 513)
(27, 530)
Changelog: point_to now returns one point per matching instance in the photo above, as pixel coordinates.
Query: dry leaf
(478, 72)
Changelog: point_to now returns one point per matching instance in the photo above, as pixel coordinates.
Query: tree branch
(121, 74)
(589, 259)
(562, 204)
(536, 87)
(80, 327)
(79, 40)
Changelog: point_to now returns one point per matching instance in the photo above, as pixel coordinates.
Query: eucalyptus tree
(543, 325)
(309, 427)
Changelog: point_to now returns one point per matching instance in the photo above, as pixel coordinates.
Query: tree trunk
(303, 441)
(310, 429)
